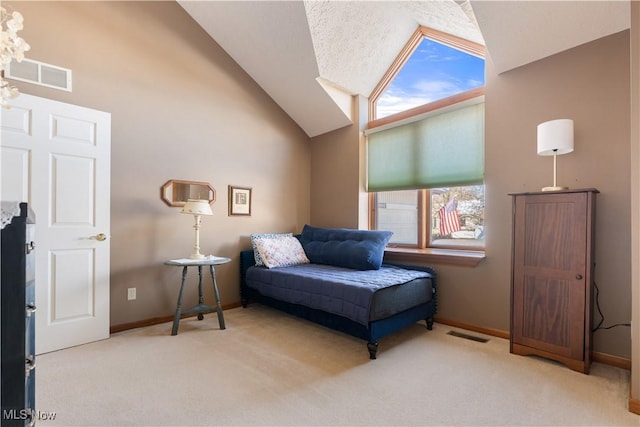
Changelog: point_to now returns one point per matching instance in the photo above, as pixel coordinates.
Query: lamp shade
(197, 207)
(555, 137)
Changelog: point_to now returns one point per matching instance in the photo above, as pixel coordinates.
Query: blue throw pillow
(343, 247)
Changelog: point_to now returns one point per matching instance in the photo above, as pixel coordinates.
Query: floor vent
(467, 336)
(40, 73)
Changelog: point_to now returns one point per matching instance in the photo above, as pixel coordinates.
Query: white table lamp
(555, 137)
(197, 208)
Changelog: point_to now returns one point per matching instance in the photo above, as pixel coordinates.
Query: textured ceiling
(292, 48)
(356, 42)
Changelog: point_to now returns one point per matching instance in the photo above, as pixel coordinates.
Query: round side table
(201, 308)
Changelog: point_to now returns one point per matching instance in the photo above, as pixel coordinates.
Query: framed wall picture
(239, 200)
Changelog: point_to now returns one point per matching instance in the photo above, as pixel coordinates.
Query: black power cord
(602, 315)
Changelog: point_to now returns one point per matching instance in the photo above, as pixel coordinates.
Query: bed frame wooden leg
(429, 323)
(373, 349)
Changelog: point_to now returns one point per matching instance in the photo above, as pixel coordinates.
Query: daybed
(335, 277)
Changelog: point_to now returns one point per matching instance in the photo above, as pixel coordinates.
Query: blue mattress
(362, 296)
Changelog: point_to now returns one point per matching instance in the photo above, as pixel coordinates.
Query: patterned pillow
(281, 251)
(254, 237)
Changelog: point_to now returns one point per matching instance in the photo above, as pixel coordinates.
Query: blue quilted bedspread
(336, 290)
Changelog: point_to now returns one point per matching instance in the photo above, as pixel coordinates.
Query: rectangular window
(426, 176)
(457, 217)
(398, 211)
(446, 217)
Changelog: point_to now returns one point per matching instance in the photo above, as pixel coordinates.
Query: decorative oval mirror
(176, 192)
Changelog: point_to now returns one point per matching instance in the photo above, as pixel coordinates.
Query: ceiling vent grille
(40, 73)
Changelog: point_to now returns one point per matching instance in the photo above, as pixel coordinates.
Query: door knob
(579, 276)
(99, 237)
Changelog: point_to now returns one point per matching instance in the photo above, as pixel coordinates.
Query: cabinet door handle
(579, 276)
(31, 417)
(31, 308)
(29, 365)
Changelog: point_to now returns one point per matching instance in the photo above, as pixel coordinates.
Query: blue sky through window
(433, 71)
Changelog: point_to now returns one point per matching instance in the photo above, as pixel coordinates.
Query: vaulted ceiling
(309, 55)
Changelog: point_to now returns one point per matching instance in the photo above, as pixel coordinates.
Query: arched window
(425, 144)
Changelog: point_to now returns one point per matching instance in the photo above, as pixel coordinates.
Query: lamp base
(197, 256)
(555, 188)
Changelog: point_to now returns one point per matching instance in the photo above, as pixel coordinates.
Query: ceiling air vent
(39, 73)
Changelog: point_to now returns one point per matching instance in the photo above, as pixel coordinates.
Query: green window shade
(446, 149)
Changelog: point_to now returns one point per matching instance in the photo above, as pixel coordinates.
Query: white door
(56, 157)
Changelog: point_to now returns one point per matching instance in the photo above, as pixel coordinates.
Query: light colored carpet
(268, 368)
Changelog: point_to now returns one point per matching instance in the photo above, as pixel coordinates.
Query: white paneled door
(56, 157)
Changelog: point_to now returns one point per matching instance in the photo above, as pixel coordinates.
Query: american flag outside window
(449, 218)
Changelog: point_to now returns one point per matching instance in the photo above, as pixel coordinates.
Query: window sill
(461, 258)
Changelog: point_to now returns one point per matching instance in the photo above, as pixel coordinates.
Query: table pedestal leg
(200, 296)
(176, 318)
(217, 294)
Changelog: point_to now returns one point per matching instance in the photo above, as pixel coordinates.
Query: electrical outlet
(131, 294)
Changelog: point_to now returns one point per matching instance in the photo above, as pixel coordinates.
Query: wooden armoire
(552, 275)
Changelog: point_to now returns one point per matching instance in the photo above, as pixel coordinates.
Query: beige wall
(335, 174)
(181, 108)
(589, 84)
(635, 203)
